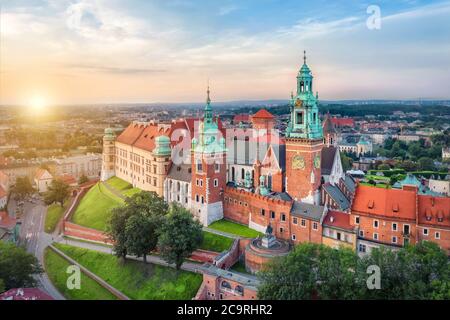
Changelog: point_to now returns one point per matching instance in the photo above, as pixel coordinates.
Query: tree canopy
(315, 271)
(17, 267)
(179, 236)
(58, 192)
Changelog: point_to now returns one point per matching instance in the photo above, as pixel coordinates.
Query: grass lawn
(378, 185)
(215, 242)
(95, 207)
(136, 279)
(234, 228)
(56, 267)
(54, 214)
(119, 184)
(123, 187)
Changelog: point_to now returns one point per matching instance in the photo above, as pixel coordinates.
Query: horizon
(135, 52)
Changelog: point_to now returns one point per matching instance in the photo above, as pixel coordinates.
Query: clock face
(317, 161)
(298, 162)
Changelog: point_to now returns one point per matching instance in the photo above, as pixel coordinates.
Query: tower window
(299, 117)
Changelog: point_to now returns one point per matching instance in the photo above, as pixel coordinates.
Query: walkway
(221, 233)
(187, 266)
(113, 190)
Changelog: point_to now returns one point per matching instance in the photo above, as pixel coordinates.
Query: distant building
(445, 153)
(25, 294)
(343, 122)
(8, 227)
(440, 186)
(364, 146)
(89, 165)
(42, 180)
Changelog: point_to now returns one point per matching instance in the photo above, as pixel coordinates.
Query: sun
(38, 103)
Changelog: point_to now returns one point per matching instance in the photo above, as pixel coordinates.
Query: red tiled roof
(391, 203)
(433, 209)
(241, 118)
(25, 294)
(338, 219)
(146, 141)
(40, 173)
(263, 114)
(343, 122)
(68, 179)
(131, 133)
(2, 192)
(6, 221)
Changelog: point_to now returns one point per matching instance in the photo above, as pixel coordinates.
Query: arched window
(239, 290)
(226, 285)
(178, 186)
(302, 85)
(243, 174)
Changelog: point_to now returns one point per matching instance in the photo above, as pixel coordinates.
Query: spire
(304, 56)
(208, 110)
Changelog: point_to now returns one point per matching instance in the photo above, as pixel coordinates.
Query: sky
(117, 51)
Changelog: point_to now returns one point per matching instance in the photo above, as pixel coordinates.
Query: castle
(258, 177)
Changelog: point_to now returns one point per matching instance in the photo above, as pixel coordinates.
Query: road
(33, 237)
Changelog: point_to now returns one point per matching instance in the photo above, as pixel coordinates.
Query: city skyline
(138, 52)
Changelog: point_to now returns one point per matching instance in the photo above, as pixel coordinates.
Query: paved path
(221, 233)
(34, 238)
(113, 190)
(187, 266)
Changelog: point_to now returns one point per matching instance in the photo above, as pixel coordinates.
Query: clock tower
(304, 141)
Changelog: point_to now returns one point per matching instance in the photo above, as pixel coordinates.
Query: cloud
(116, 70)
(225, 10)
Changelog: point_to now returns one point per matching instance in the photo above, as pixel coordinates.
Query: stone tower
(162, 156)
(108, 158)
(208, 161)
(304, 141)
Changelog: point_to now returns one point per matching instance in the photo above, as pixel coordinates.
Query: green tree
(141, 234)
(179, 236)
(384, 166)
(58, 192)
(147, 206)
(426, 164)
(22, 188)
(18, 268)
(311, 270)
(2, 286)
(116, 230)
(416, 272)
(83, 179)
(346, 162)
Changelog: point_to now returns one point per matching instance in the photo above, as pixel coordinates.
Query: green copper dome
(162, 146)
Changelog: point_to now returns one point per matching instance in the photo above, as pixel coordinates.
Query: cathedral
(252, 175)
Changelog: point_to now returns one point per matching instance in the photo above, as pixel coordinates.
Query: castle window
(361, 233)
(362, 248)
(299, 117)
(375, 223)
(375, 236)
(356, 220)
(394, 226)
(295, 221)
(281, 230)
(303, 223)
(394, 239)
(217, 167)
(283, 217)
(203, 200)
(243, 173)
(272, 214)
(425, 231)
(437, 235)
(199, 166)
(216, 182)
(196, 197)
(294, 237)
(315, 226)
(263, 212)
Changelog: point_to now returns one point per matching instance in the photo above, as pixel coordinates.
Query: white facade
(440, 186)
(89, 165)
